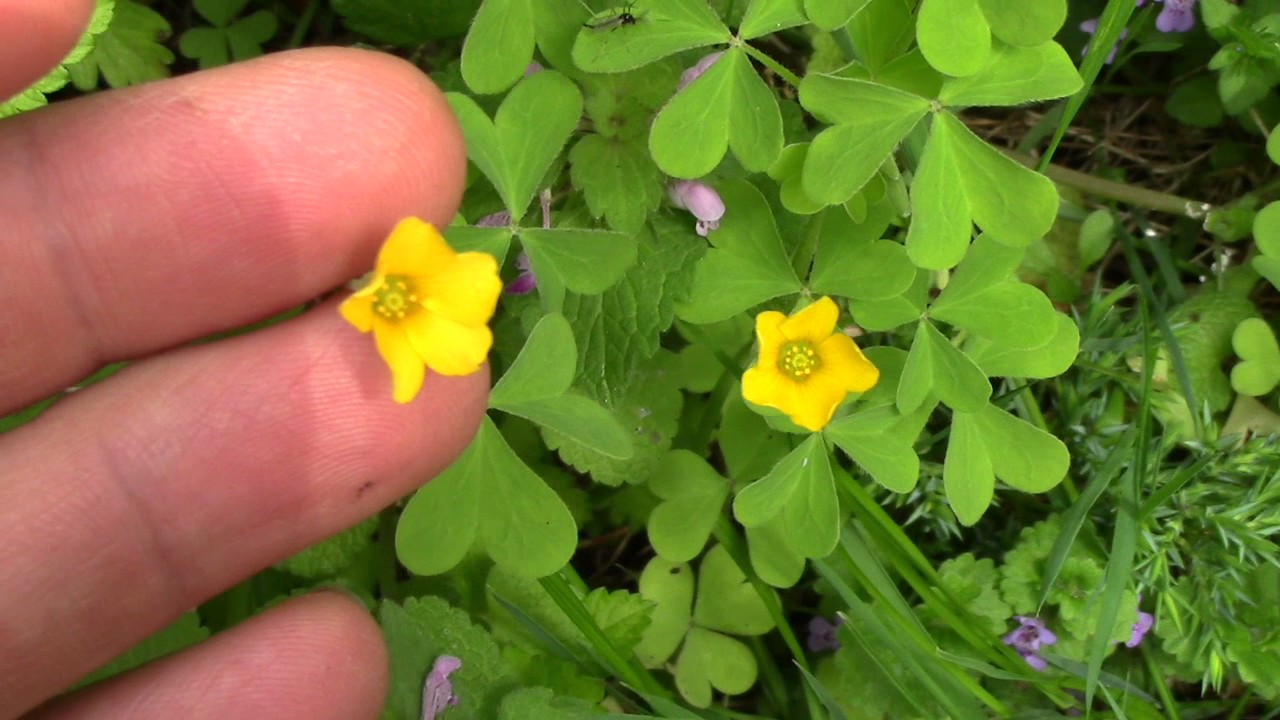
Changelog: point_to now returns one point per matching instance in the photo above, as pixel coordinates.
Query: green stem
(386, 556)
(792, 79)
(1120, 192)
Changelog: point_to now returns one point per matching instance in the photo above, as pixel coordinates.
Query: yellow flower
(427, 306)
(806, 368)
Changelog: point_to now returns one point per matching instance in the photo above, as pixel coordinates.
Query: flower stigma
(798, 359)
(395, 298)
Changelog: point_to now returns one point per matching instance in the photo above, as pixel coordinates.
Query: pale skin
(135, 221)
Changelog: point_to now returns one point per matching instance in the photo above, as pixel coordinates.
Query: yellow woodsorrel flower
(427, 306)
(806, 368)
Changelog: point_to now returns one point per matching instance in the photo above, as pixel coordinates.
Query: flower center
(798, 360)
(395, 298)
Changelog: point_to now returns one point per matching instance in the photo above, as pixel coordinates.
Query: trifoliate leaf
(711, 660)
(1258, 371)
(129, 52)
(524, 525)
(800, 488)
(422, 630)
(693, 495)
(332, 555)
(934, 366)
(229, 39)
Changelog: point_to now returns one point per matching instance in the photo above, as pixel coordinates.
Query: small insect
(626, 17)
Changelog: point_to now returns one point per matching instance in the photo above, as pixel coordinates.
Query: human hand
(136, 221)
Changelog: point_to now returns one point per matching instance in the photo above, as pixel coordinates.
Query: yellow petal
(448, 347)
(769, 334)
(413, 248)
(816, 401)
(844, 364)
(813, 323)
(406, 367)
(765, 385)
(466, 290)
(358, 310)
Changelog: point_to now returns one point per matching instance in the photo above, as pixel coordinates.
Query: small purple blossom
(1177, 16)
(822, 634)
(437, 691)
(525, 282)
(1028, 638)
(700, 199)
(696, 71)
(1140, 629)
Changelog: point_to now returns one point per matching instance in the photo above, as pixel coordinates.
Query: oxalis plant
(845, 200)
(749, 282)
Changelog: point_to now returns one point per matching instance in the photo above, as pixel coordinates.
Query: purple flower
(533, 68)
(822, 634)
(1177, 16)
(1140, 629)
(1028, 638)
(700, 199)
(525, 282)
(437, 691)
(696, 71)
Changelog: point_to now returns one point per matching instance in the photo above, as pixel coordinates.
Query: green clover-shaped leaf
(228, 39)
(692, 494)
(802, 489)
(936, 367)
(499, 45)
(662, 28)
(727, 107)
(490, 498)
(1258, 371)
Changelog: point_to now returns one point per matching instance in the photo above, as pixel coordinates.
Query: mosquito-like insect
(626, 17)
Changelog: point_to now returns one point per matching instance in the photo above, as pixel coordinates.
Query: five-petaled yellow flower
(427, 306)
(806, 368)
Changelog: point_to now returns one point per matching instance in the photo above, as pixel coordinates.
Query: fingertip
(35, 36)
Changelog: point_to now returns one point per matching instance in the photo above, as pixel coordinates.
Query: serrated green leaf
(1258, 371)
(129, 52)
(1016, 75)
(747, 265)
(586, 261)
(1023, 456)
(423, 630)
(693, 494)
(621, 329)
(618, 179)
(1012, 313)
(407, 23)
(764, 17)
(966, 473)
(869, 120)
(941, 223)
(1046, 361)
(333, 554)
(693, 130)
(663, 27)
(935, 367)
(670, 587)
(499, 45)
(517, 147)
(953, 35)
(525, 526)
(1024, 23)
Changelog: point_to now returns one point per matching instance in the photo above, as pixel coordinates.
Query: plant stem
(1120, 192)
(792, 79)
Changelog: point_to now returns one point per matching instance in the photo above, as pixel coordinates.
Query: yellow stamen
(798, 360)
(395, 298)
